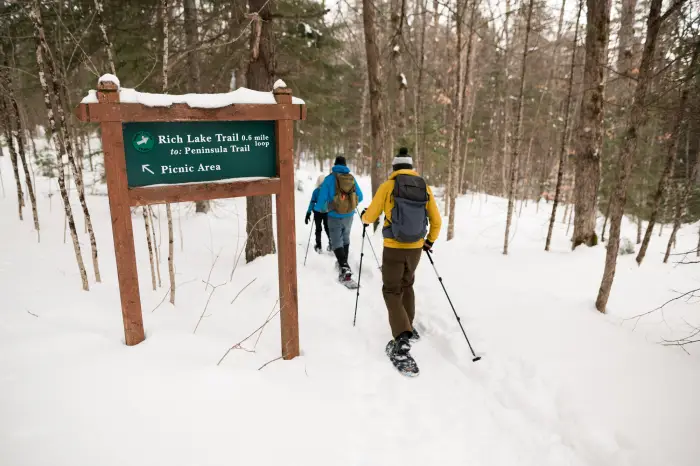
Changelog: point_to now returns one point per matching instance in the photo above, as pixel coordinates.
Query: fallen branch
(213, 289)
(167, 292)
(243, 289)
(238, 345)
(268, 362)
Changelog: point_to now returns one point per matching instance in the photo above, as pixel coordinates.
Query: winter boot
(414, 335)
(328, 248)
(341, 258)
(346, 249)
(317, 248)
(398, 351)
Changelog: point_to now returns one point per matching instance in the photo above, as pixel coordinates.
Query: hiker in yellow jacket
(406, 196)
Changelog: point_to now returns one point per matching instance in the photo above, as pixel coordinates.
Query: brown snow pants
(398, 274)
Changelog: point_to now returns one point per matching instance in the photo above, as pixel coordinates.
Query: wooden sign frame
(110, 113)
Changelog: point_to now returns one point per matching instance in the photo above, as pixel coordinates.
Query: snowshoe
(398, 352)
(345, 278)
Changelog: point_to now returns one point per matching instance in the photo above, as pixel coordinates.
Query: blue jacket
(327, 193)
(314, 200)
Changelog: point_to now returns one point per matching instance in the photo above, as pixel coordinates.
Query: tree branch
(318, 14)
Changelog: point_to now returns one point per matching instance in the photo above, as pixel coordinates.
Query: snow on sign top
(279, 83)
(109, 78)
(241, 95)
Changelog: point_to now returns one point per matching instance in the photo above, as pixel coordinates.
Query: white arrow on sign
(144, 168)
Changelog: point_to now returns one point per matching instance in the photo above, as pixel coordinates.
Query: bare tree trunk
(165, 7)
(398, 82)
(625, 54)
(590, 128)
(605, 222)
(506, 101)
(681, 201)
(518, 129)
(684, 195)
(375, 95)
(34, 12)
(455, 139)
(19, 135)
(99, 13)
(21, 145)
(146, 222)
(670, 154)
(171, 251)
(363, 135)
(261, 71)
(13, 157)
(636, 121)
(155, 243)
(564, 133)
(418, 93)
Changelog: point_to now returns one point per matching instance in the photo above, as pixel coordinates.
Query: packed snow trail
(558, 384)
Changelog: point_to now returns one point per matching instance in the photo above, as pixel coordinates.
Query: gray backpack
(409, 219)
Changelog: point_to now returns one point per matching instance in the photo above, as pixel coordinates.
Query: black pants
(321, 220)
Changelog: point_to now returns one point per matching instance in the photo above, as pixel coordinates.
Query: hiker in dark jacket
(339, 196)
(320, 218)
(404, 242)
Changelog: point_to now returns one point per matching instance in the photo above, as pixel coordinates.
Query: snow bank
(559, 383)
(241, 95)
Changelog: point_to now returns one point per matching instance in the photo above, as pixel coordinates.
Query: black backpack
(409, 218)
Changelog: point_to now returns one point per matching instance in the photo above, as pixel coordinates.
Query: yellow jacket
(383, 201)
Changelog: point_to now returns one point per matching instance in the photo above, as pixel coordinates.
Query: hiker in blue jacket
(320, 218)
(339, 195)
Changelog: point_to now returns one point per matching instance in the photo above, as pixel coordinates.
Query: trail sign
(178, 153)
(191, 152)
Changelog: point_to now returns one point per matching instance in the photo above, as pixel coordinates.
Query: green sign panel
(196, 152)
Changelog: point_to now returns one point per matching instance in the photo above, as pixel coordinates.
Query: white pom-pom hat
(402, 158)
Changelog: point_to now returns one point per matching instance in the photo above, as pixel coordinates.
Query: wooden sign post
(157, 155)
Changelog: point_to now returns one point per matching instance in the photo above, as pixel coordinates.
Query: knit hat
(403, 158)
(340, 160)
(319, 181)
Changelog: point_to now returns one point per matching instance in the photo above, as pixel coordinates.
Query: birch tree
(19, 135)
(165, 8)
(34, 13)
(13, 156)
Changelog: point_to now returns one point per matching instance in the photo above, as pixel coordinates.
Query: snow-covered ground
(559, 384)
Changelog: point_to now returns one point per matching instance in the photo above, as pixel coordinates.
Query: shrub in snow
(300, 186)
(46, 161)
(626, 247)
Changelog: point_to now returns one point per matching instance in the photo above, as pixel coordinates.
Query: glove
(427, 246)
(362, 215)
(307, 218)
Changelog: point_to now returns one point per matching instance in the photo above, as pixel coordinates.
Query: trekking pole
(311, 230)
(459, 321)
(359, 275)
(370, 241)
